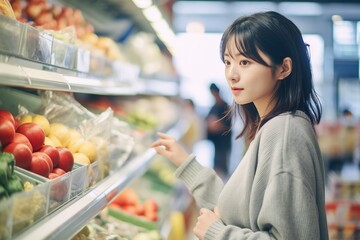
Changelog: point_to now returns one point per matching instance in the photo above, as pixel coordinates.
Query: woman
(277, 190)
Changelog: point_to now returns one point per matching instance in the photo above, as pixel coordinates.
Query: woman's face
(249, 80)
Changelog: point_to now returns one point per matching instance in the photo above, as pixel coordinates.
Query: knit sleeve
(289, 212)
(201, 181)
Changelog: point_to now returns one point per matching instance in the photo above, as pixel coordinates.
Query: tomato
(66, 162)
(53, 175)
(7, 131)
(17, 122)
(52, 152)
(40, 164)
(21, 153)
(7, 115)
(150, 205)
(21, 138)
(58, 171)
(34, 133)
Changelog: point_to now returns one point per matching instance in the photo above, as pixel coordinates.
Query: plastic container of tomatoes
(59, 188)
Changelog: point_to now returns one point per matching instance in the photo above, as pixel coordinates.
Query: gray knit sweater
(277, 190)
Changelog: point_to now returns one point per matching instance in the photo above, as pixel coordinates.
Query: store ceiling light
(143, 3)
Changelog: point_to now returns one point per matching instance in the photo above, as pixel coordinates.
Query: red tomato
(7, 131)
(66, 162)
(7, 115)
(40, 164)
(21, 138)
(34, 133)
(58, 171)
(150, 205)
(52, 152)
(17, 122)
(21, 153)
(53, 175)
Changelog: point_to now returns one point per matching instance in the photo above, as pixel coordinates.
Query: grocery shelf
(69, 219)
(19, 76)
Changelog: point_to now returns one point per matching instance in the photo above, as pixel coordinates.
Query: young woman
(277, 190)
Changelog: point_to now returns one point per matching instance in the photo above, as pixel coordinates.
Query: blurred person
(278, 189)
(218, 131)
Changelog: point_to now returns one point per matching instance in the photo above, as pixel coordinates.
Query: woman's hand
(170, 148)
(206, 218)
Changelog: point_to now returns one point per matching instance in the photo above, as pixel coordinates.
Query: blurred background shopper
(277, 191)
(218, 131)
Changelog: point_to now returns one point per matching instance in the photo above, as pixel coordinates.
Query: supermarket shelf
(19, 76)
(69, 219)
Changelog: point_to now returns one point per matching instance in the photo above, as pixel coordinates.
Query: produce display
(25, 139)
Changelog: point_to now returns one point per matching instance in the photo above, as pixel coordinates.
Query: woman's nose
(234, 74)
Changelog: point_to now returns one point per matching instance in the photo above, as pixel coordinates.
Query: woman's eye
(244, 62)
(227, 62)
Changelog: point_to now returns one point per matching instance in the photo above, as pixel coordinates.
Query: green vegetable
(7, 163)
(14, 185)
(4, 177)
(10, 159)
(3, 193)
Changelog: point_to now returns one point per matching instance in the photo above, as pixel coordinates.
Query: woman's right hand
(170, 148)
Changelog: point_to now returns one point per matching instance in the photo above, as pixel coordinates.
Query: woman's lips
(236, 90)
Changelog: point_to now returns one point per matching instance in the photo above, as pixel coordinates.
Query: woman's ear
(284, 69)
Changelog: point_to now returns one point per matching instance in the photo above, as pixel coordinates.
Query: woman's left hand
(206, 218)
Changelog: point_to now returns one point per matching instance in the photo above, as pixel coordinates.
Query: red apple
(40, 164)
(7, 115)
(21, 138)
(21, 153)
(58, 171)
(34, 133)
(7, 131)
(52, 152)
(66, 162)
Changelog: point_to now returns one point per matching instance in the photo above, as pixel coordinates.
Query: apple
(58, 171)
(7, 115)
(40, 164)
(60, 131)
(52, 152)
(27, 118)
(22, 154)
(66, 162)
(43, 122)
(7, 131)
(34, 133)
(21, 138)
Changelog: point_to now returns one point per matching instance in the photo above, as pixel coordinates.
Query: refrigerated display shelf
(66, 221)
(19, 76)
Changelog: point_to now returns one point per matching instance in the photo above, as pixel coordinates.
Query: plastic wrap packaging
(113, 137)
(109, 135)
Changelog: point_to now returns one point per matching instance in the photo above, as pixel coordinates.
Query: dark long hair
(278, 38)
